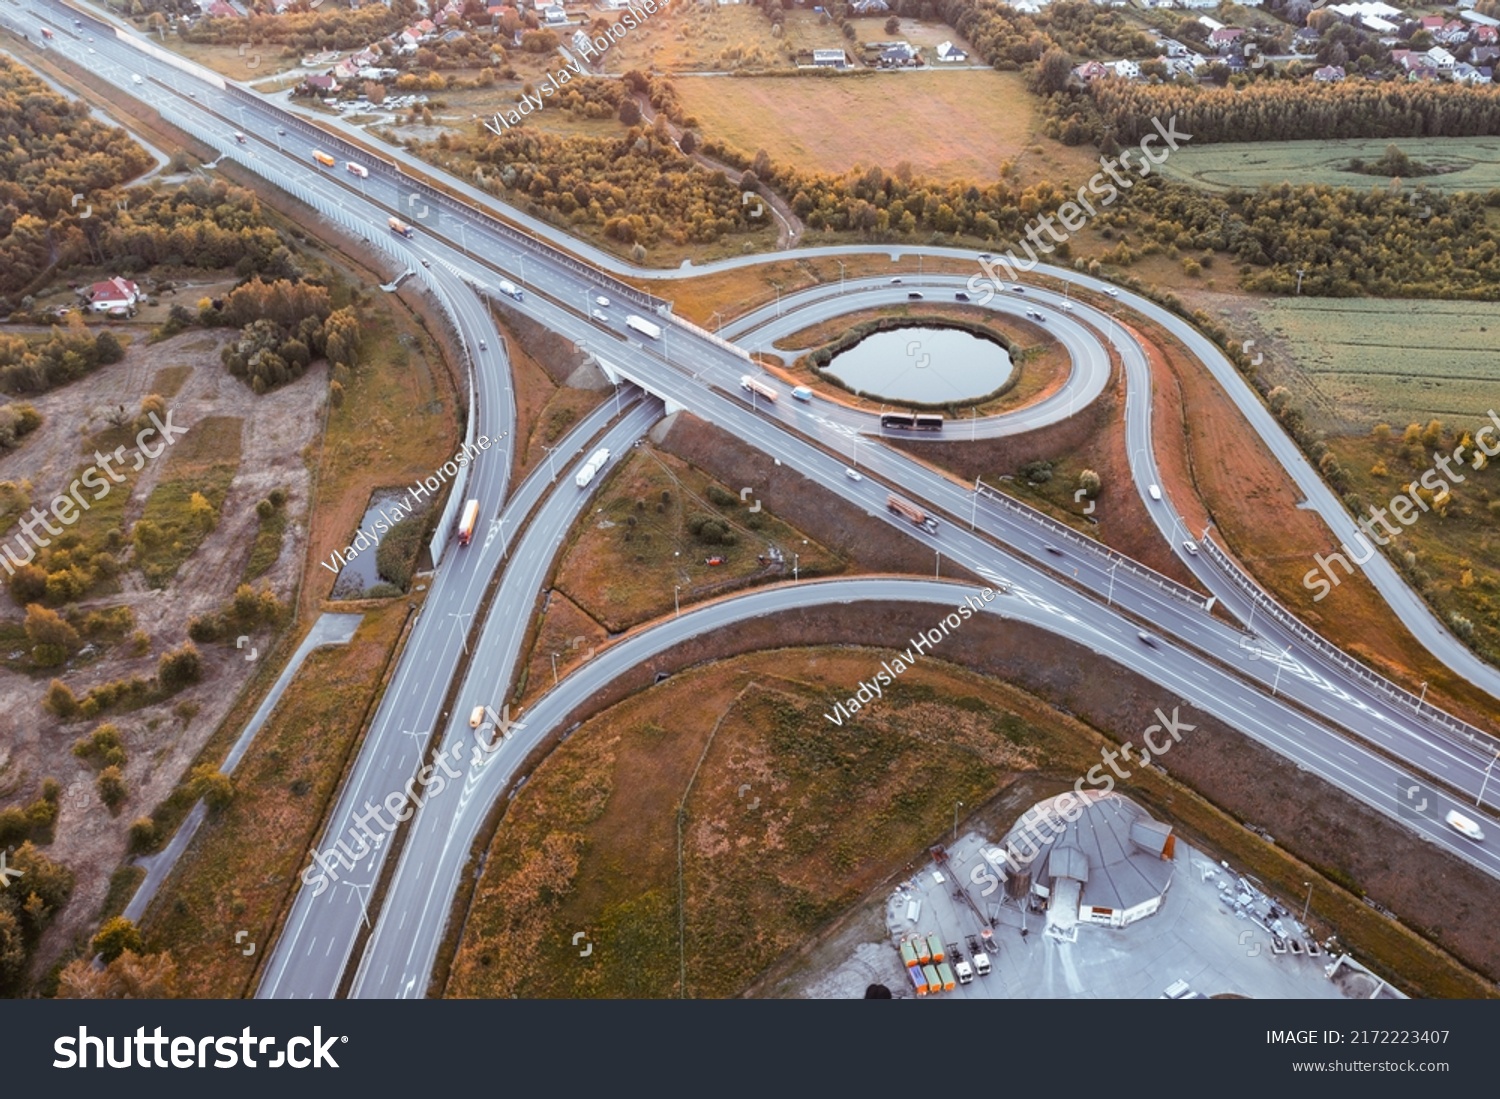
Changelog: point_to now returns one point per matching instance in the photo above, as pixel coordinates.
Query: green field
(1465, 163)
(1368, 361)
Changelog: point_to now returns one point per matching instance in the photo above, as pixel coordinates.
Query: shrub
(111, 787)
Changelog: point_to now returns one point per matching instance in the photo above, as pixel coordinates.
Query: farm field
(835, 125)
(1467, 163)
(1366, 361)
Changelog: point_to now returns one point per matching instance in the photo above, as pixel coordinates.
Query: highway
(1192, 650)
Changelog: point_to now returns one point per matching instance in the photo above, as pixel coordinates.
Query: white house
(112, 294)
(1441, 59)
(1126, 70)
(947, 51)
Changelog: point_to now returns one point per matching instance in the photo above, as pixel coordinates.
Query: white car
(1463, 825)
(601, 315)
(1190, 546)
(854, 475)
(1111, 291)
(601, 300)
(895, 282)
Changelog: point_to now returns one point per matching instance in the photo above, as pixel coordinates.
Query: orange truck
(466, 523)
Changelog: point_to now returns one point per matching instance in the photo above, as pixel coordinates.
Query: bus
(898, 419)
(754, 386)
(323, 158)
(929, 423)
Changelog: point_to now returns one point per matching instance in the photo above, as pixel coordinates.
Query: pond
(358, 573)
(930, 366)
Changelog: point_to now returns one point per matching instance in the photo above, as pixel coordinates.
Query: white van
(1154, 491)
(137, 78)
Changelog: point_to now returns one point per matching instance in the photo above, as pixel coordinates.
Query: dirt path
(789, 227)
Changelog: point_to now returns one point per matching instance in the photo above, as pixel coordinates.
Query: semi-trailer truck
(323, 158)
(982, 964)
(756, 386)
(643, 326)
(399, 226)
(466, 522)
(910, 510)
(945, 976)
(908, 953)
(356, 169)
(935, 944)
(592, 466)
(510, 289)
(924, 952)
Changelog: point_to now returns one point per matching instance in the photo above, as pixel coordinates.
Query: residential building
(830, 59)
(1126, 70)
(948, 52)
(1329, 74)
(1092, 70)
(113, 294)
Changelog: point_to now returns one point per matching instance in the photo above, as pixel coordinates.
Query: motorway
(682, 369)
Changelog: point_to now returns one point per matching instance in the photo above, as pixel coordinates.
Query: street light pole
(1109, 598)
(795, 563)
(957, 805)
(676, 604)
(554, 669)
(1277, 681)
(1308, 904)
(1423, 698)
(1480, 799)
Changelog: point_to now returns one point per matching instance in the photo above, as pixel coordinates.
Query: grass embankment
(244, 865)
(202, 462)
(639, 542)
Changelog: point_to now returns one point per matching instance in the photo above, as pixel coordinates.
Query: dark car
(960, 296)
(914, 296)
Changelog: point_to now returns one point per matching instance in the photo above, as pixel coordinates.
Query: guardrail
(1063, 531)
(720, 341)
(1440, 720)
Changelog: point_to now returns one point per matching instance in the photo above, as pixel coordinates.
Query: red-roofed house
(1486, 36)
(115, 293)
(1092, 70)
(1225, 37)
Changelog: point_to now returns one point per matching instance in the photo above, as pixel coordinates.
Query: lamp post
(795, 563)
(957, 805)
(1109, 597)
(676, 604)
(1277, 680)
(1480, 799)
(1308, 903)
(1423, 698)
(554, 669)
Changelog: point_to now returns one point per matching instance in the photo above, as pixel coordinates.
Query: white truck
(511, 289)
(962, 971)
(643, 326)
(356, 169)
(982, 964)
(591, 467)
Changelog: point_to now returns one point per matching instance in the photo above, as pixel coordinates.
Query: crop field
(1464, 163)
(1368, 361)
(835, 125)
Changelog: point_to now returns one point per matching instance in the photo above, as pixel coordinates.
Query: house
(896, 55)
(1126, 70)
(323, 85)
(1235, 63)
(948, 52)
(1484, 55)
(1486, 36)
(1211, 24)
(1329, 74)
(554, 16)
(1305, 41)
(869, 7)
(1441, 59)
(450, 12)
(1467, 74)
(830, 59)
(1173, 48)
(1225, 37)
(1418, 66)
(113, 294)
(221, 10)
(346, 69)
(1092, 70)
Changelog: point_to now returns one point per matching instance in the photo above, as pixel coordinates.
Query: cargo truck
(945, 977)
(935, 944)
(399, 226)
(466, 522)
(962, 971)
(323, 158)
(510, 289)
(982, 964)
(643, 326)
(356, 169)
(924, 952)
(918, 980)
(934, 982)
(908, 953)
(592, 466)
(910, 510)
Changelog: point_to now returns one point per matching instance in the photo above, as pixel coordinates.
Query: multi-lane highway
(1324, 712)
